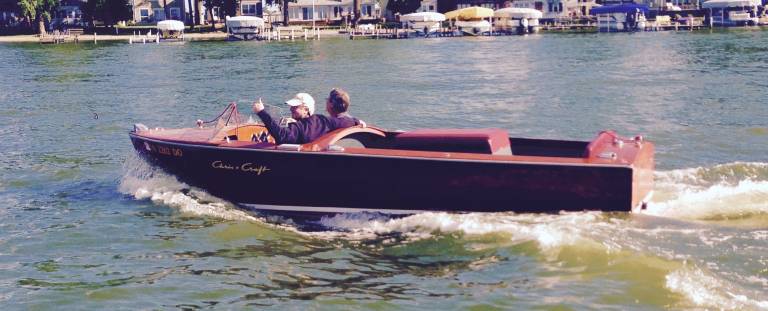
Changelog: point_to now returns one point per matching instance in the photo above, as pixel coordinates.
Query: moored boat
(424, 23)
(621, 17)
(244, 27)
(517, 20)
(369, 169)
(726, 13)
(473, 21)
(170, 30)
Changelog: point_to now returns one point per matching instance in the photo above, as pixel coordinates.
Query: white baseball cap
(303, 99)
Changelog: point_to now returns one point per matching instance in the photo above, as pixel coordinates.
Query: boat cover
(245, 22)
(474, 12)
(719, 4)
(518, 13)
(423, 17)
(170, 25)
(625, 8)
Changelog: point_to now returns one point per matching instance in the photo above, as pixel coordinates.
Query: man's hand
(362, 123)
(258, 106)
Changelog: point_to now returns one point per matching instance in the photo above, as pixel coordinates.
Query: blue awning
(625, 8)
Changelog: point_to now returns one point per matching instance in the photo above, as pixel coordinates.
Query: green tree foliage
(403, 6)
(108, 11)
(39, 10)
(209, 5)
(231, 7)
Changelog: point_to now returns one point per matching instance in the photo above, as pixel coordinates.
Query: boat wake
(734, 191)
(143, 181)
(672, 238)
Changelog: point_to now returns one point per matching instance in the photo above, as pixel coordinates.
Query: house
(555, 9)
(68, 14)
(9, 16)
(330, 11)
(251, 8)
(428, 6)
(491, 4)
(152, 11)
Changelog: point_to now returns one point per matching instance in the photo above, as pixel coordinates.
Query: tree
(285, 11)
(38, 10)
(356, 9)
(403, 6)
(197, 12)
(108, 11)
(208, 4)
(231, 7)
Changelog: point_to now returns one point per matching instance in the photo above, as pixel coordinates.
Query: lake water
(84, 224)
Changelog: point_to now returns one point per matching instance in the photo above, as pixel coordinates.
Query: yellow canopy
(474, 12)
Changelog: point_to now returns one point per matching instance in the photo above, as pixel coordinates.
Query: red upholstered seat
(488, 141)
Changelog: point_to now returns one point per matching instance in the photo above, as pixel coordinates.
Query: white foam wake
(549, 231)
(142, 181)
(708, 291)
(723, 191)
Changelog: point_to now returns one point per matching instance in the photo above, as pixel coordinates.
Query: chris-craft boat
(370, 169)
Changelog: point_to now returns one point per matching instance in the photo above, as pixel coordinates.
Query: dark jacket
(305, 130)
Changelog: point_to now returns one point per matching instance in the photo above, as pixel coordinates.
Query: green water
(86, 225)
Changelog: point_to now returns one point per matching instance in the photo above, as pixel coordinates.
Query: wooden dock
(378, 33)
(56, 37)
(289, 33)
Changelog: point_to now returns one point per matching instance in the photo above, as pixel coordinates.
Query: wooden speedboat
(370, 169)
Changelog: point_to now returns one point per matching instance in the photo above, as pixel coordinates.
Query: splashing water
(691, 250)
(733, 190)
(143, 181)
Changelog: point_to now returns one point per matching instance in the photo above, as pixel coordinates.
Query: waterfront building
(152, 11)
(557, 9)
(9, 17)
(251, 8)
(68, 14)
(490, 4)
(427, 6)
(330, 11)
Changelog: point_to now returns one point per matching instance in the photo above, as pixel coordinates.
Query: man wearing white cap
(308, 126)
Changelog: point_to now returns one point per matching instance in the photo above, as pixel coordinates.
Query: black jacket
(305, 130)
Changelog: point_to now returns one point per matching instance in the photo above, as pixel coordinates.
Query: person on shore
(309, 126)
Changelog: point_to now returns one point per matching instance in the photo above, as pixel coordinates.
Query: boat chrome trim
(336, 154)
(320, 209)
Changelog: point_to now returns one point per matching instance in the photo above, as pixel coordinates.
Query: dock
(289, 33)
(378, 33)
(56, 37)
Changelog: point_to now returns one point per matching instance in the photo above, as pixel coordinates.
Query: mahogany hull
(338, 181)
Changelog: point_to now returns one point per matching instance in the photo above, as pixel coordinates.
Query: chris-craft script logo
(245, 167)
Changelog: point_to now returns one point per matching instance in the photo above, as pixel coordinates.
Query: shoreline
(208, 36)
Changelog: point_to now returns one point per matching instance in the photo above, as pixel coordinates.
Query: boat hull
(342, 182)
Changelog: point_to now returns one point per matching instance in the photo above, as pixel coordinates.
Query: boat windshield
(231, 118)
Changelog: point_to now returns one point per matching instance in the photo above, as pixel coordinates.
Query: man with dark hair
(338, 103)
(308, 126)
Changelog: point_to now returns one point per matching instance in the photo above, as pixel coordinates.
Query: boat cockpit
(229, 130)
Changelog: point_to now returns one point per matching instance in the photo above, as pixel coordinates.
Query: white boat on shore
(171, 30)
(424, 23)
(474, 28)
(517, 20)
(726, 13)
(472, 21)
(244, 27)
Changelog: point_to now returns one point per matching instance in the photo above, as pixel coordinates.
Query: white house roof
(717, 4)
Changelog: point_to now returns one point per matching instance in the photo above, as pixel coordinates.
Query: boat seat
(486, 141)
